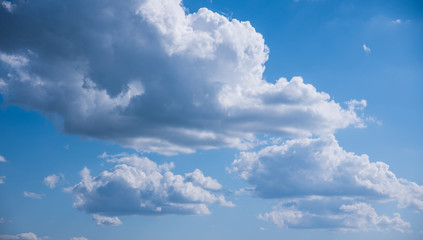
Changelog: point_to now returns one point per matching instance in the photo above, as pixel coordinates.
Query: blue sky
(147, 119)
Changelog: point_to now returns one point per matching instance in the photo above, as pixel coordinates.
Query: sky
(159, 119)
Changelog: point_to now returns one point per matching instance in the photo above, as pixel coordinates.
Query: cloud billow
(318, 171)
(138, 186)
(151, 76)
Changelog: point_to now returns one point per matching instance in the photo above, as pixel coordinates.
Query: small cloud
(2, 179)
(32, 195)
(79, 238)
(262, 229)
(397, 21)
(52, 180)
(242, 191)
(2, 159)
(67, 146)
(8, 6)
(21, 236)
(106, 221)
(2, 220)
(366, 49)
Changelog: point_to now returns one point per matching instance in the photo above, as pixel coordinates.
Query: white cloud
(2, 179)
(2, 220)
(397, 21)
(2, 159)
(106, 221)
(306, 167)
(8, 6)
(21, 236)
(366, 49)
(320, 185)
(79, 238)
(52, 180)
(32, 195)
(138, 186)
(332, 213)
(158, 79)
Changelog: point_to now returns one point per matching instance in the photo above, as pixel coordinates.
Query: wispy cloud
(106, 221)
(21, 236)
(33, 195)
(366, 49)
(8, 6)
(334, 214)
(2, 159)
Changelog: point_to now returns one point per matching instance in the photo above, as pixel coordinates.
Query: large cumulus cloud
(138, 186)
(151, 76)
(321, 173)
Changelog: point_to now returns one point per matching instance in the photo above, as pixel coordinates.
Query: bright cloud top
(150, 76)
(366, 49)
(33, 195)
(138, 186)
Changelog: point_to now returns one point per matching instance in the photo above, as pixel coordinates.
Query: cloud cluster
(342, 214)
(150, 76)
(79, 238)
(21, 236)
(320, 167)
(138, 186)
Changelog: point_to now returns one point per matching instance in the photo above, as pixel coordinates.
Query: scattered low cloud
(397, 21)
(21, 236)
(106, 221)
(342, 214)
(52, 180)
(2, 179)
(2, 159)
(366, 49)
(138, 186)
(33, 195)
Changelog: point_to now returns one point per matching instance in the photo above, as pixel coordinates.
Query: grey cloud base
(150, 76)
